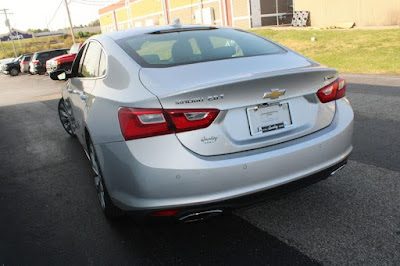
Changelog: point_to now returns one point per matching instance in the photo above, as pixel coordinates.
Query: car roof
(117, 35)
(61, 49)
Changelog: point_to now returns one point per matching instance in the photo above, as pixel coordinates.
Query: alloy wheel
(98, 181)
(14, 72)
(65, 118)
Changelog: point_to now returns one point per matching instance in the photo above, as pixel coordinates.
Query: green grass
(350, 51)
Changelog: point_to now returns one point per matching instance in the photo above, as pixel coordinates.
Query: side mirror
(59, 74)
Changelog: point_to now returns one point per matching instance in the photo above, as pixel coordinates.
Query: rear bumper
(37, 69)
(140, 175)
(198, 212)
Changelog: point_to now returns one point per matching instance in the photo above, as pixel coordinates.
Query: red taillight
(166, 213)
(23, 63)
(333, 91)
(142, 123)
(35, 62)
(186, 120)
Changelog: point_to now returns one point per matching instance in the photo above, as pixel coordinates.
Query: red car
(63, 61)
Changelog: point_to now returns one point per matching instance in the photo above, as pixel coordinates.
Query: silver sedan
(185, 121)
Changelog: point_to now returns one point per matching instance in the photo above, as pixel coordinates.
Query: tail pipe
(199, 216)
(338, 169)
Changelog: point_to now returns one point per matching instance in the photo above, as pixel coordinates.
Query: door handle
(69, 90)
(83, 97)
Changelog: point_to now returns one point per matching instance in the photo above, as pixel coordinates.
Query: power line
(54, 13)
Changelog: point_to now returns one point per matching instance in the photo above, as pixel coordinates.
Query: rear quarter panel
(120, 87)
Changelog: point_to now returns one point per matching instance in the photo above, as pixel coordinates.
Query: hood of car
(64, 58)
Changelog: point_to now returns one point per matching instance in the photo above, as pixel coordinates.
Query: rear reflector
(138, 123)
(166, 213)
(333, 91)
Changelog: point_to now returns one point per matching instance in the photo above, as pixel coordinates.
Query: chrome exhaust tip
(200, 216)
(338, 169)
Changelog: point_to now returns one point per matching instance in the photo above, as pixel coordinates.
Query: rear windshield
(194, 46)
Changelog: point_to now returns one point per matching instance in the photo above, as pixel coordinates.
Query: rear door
(81, 86)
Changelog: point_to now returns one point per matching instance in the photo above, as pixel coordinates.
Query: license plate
(266, 118)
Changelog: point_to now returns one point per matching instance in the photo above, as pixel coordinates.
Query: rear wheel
(14, 72)
(110, 210)
(65, 117)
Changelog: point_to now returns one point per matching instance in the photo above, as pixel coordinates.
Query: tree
(94, 23)
(38, 30)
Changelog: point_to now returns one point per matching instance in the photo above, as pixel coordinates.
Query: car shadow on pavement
(222, 240)
(50, 212)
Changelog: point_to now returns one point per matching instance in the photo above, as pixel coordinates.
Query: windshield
(165, 49)
(74, 49)
(18, 58)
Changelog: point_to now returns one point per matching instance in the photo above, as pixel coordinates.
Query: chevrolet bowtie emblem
(274, 94)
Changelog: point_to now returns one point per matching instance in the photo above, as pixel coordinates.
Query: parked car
(13, 67)
(38, 63)
(63, 61)
(24, 64)
(187, 121)
(6, 60)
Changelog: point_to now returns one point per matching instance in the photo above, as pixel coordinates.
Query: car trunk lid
(264, 100)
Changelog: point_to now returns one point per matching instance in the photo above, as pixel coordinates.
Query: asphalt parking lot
(49, 212)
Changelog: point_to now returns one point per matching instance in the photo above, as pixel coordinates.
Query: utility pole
(128, 9)
(9, 29)
(70, 23)
(4, 51)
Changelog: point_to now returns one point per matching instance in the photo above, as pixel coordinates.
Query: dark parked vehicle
(24, 64)
(39, 59)
(13, 67)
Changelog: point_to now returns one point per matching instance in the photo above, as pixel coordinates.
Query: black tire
(109, 209)
(65, 117)
(14, 71)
